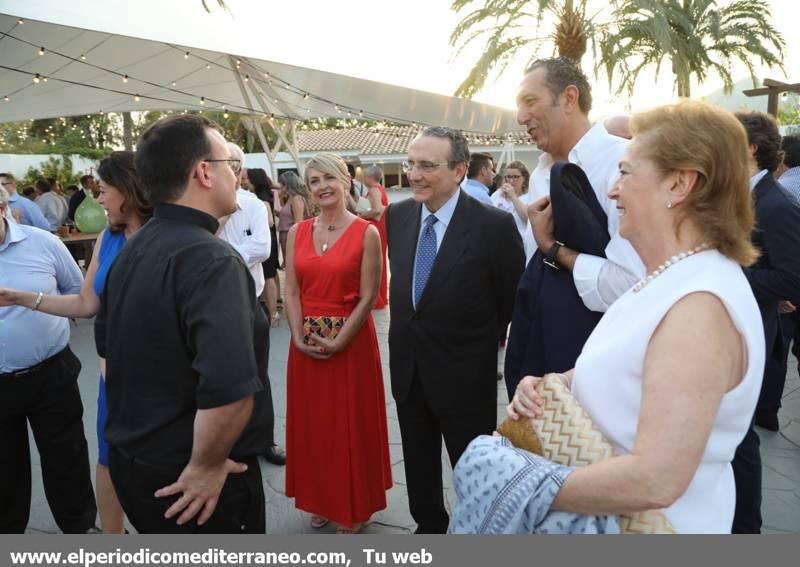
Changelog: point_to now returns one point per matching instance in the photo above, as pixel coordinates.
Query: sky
(403, 42)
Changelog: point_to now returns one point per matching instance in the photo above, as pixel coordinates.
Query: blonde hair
(697, 136)
(331, 164)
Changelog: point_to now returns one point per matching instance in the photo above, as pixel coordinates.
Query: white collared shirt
(599, 281)
(443, 217)
(756, 178)
(247, 230)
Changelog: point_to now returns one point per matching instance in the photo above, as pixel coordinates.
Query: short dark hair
(118, 171)
(477, 162)
(459, 148)
(791, 151)
(29, 191)
(9, 176)
(85, 179)
(167, 152)
(42, 186)
(561, 72)
(762, 132)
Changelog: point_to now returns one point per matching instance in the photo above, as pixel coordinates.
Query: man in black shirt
(185, 346)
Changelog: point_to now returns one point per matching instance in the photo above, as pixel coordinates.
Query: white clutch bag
(363, 205)
(566, 435)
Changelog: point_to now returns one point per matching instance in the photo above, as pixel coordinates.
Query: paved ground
(780, 451)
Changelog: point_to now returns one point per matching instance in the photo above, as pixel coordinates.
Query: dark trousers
(769, 401)
(747, 476)
(49, 400)
(421, 430)
(240, 508)
(268, 405)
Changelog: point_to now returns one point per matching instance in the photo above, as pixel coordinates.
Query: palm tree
(697, 37)
(511, 26)
(220, 2)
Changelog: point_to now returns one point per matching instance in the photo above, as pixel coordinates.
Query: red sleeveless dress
(337, 442)
(383, 291)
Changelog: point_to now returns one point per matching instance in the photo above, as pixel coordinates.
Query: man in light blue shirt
(39, 383)
(30, 214)
(790, 178)
(479, 176)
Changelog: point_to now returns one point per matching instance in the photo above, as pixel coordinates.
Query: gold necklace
(331, 228)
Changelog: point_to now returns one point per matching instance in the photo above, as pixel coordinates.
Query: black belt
(33, 369)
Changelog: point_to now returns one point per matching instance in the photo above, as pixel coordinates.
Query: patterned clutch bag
(566, 435)
(325, 327)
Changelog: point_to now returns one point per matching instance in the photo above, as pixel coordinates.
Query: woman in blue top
(122, 197)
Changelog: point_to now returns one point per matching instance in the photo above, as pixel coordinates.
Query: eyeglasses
(234, 164)
(423, 166)
(512, 177)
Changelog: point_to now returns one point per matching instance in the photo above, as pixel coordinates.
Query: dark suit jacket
(776, 274)
(551, 323)
(75, 202)
(451, 339)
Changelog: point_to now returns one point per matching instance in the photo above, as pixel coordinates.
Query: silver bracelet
(38, 301)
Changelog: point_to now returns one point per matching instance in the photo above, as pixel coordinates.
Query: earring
(669, 204)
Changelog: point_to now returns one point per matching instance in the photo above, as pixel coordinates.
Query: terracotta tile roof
(384, 141)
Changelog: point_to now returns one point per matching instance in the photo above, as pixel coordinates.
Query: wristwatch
(550, 257)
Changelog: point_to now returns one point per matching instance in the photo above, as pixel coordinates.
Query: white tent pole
(279, 130)
(259, 132)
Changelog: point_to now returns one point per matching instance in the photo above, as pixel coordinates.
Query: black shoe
(276, 456)
(768, 421)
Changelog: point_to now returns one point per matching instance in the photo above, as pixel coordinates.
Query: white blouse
(609, 374)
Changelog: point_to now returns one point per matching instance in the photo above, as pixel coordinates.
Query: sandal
(318, 522)
(344, 530)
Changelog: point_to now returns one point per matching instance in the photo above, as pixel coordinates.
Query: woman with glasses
(337, 441)
(512, 196)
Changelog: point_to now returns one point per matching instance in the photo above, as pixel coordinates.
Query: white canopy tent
(49, 70)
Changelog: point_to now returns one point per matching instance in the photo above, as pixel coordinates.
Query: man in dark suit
(455, 264)
(775, 277)
(88, 184)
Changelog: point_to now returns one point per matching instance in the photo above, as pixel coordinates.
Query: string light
(37, 78)
(41, 51)
(20, 21)
(83, 57)
(136, 97)
(202, 100)
(208, 65)
(186, 55)
(247, 78)
(125, 78)
(44, 79)
(174, 83)
(6, 98)
(238, 62)
(305, 96)
(224, 114)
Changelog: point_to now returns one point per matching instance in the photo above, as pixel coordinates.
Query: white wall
(18, 164)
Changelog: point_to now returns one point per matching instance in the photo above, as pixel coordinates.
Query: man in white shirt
(553, 103)
(247, 230)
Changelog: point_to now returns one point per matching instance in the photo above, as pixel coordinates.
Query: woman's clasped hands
(527, 402)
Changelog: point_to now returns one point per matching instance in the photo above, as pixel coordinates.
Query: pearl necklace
(663, 267)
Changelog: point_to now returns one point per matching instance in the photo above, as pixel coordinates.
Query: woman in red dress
(337, 442)
(379, 200)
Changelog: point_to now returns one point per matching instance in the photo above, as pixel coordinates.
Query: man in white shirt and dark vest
(247, 230)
